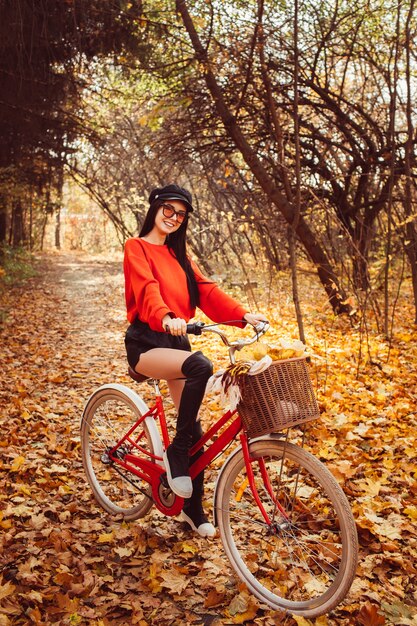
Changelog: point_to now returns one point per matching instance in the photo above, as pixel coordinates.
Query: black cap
(172, 192)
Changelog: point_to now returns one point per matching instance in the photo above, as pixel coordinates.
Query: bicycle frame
(151, 469)
(308, 536)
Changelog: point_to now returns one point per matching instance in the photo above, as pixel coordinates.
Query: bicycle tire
(303, 565)
(107, 416)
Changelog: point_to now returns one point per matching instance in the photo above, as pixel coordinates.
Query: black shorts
(140, 338)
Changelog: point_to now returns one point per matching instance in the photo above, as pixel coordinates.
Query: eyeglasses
(169, 211)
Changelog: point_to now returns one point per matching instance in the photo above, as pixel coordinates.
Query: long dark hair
(177, 245)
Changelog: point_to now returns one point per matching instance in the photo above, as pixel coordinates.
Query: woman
(163, 287)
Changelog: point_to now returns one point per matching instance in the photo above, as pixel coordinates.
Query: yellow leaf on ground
(302, 621)
(17, 463)
(188, 547)
(106, 538)
(327, 449)
(24, 489)
(369, 486)
(389, 464)
(411, 511)
(152, 580)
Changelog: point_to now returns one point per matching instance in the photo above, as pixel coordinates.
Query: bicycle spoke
(309, 538)
(311, 553)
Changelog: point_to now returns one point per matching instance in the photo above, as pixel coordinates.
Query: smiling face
(170, 216)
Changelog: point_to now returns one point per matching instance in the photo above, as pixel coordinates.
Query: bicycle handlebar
(197, 328)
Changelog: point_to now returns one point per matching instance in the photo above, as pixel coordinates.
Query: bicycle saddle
(139, 378)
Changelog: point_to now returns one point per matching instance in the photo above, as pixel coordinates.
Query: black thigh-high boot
(193, 512)
(197, 369)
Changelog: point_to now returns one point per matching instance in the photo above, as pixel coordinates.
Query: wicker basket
(280, 397)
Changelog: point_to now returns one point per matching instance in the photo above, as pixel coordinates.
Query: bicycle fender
(142, 407)
(238, 450)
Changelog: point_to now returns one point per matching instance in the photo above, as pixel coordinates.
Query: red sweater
(156, 285)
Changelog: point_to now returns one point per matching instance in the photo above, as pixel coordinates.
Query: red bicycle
(285, 524)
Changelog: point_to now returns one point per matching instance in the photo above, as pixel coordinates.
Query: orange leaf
(369, 616)
(6, 590)
(214, 598)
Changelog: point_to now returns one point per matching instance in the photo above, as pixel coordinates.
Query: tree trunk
(317, 254)
(394, 82)
(292, 229)
(360, 272)
(17, 233)
(58, 229)
(43, 229)
(411, 251)
(361, 241)
(411, 233)
(3, 220)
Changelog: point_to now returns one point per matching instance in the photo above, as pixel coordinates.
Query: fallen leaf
(370, 616)
(6, 589)
(174, 581)
(122, 552)
(302, 621)
(242, 608)
(214, 598)
(18, 462)
(411, 511)
(106, 538)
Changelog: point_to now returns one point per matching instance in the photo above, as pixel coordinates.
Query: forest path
(92, 289)
(63, 559)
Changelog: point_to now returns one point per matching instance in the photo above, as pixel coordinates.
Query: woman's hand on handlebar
(177, 326)
(254, 318)
(174, 325)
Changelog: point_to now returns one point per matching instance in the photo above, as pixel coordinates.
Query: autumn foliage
(65, 561)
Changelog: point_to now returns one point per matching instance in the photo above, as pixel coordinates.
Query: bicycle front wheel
(108, 416)
(303, 558)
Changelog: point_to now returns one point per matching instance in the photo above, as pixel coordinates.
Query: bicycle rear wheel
(304, 560)
(108, 416)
